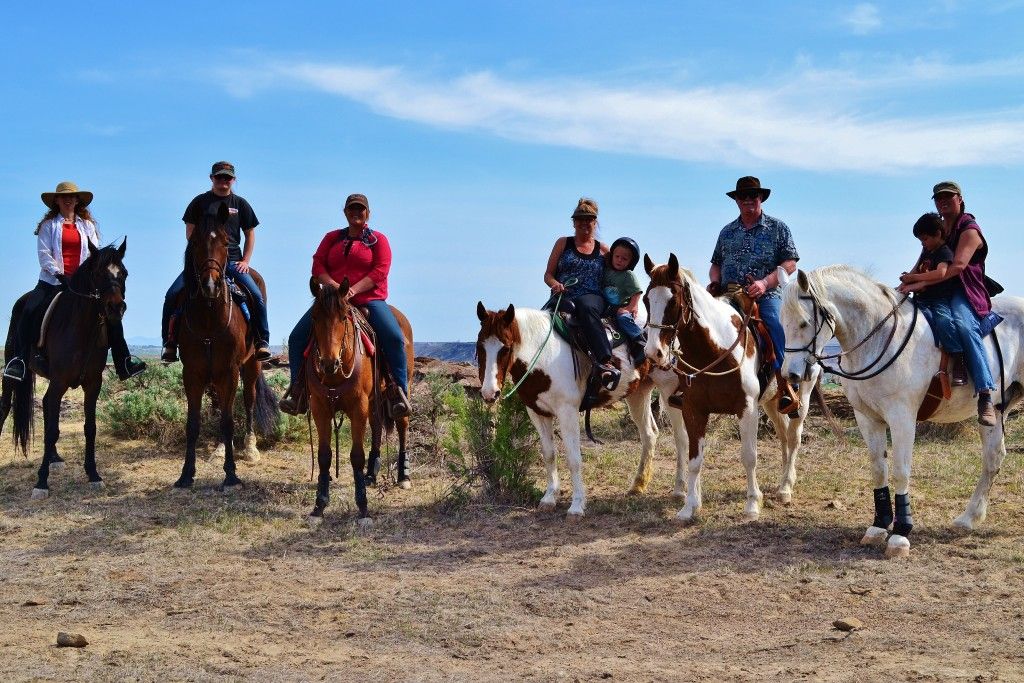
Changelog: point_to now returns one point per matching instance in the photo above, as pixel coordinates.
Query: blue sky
(474, 127)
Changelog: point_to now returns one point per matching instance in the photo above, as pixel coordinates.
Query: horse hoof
(685, 516)
(898, 546)
(784, 497)
(874, 536)
(573, 517)
(314, 521)
(181, 486)
(679, 494)
(964, 523)
(546, 506)
(230, 488)
(40, 494)
(97, 485)
(364, 524)
(57, 467)
(636, 490)
(405, 484)
(751, 516)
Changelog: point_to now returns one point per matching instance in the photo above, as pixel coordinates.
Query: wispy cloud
(812, 118)
(863, 18)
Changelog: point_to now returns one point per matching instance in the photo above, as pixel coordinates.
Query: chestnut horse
(76, 345)
(342, 377)
(706, 342)
(215, 348)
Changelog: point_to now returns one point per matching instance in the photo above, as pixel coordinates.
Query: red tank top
(71, 248)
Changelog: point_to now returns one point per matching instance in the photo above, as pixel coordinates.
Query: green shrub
(432, 411)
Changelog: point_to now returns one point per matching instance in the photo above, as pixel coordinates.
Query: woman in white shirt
(64, 235)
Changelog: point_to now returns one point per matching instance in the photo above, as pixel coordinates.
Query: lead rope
(558, 302)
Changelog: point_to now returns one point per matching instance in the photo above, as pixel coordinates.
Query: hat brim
(356, 203)
(763, 190)
(49, 198)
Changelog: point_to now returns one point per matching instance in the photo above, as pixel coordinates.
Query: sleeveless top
(71, 248)
(972, 277)
(586, 268)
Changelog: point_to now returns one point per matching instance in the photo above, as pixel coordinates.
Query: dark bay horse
(216, 348)
(76, 344)
(342, 377)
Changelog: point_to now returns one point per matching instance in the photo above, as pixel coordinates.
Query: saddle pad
(564, 327)
(46, 320)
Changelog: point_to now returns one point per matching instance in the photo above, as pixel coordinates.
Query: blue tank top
(586, 268)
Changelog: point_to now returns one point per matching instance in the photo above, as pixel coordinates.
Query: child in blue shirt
(622, 292)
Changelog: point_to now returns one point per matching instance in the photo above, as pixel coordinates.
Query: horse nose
(488, 396)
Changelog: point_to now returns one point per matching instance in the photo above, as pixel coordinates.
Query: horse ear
(314, 286)
(343, 287)
(481, 312)
(801, 279)
(222, 213)
(673, 266)
(510, 314)
(122, 249)
(92, 248)
(648, 264)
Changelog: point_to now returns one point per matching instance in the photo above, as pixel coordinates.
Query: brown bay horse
(216, 348)
(341, 377)
(76, 345)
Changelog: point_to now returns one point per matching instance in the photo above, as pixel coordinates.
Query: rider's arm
(632, 305)
(47, 261)
(250, 244)
(970, 242)
(715, 273)
(931, 276)
(771, 280)
(189, 227)
(549, 273)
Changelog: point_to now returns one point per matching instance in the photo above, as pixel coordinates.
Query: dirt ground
(210, 586)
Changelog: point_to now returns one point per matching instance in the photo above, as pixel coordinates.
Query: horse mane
(857, 286)
(97, 261)
(332, 302)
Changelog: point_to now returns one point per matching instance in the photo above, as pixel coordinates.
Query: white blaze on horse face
(656, 350)
(799, 335)
(114, 270)
(489, 387)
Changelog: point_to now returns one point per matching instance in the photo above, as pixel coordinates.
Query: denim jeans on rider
(968, 328)
(390, 341)
(943, 326)
(769, 311)
(627, 326)
(259, 308)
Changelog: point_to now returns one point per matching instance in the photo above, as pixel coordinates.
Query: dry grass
(207, 586)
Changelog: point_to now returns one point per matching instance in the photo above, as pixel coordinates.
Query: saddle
(939, 390)
(746, 306)
(46, 320)
(568, 329)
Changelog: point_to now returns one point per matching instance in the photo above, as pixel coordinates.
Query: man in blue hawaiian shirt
(748, 252)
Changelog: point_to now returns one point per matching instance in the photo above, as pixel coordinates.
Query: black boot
(170, 353)
(129, 367)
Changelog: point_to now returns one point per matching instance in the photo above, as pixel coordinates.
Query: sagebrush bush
(432, 411)
(493, 446)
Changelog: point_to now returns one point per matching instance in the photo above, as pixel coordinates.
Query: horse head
(335, 343)
(103, 276)
(809, 322)
(669, 304)
(206, 256)
(495, 348)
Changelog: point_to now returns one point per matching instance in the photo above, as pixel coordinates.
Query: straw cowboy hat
(66, 187)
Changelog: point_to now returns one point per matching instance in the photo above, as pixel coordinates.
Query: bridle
(318, 363)
(866, 371)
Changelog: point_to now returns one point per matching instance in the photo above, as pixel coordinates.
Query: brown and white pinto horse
(341, 377)
(708, 335)
(510, 340)
(215, 348)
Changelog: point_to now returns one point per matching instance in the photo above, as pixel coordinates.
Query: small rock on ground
(65, 639)
(848, 624)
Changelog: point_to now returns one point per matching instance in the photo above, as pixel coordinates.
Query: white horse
(513, 338)
(704, 337)
(860, 313)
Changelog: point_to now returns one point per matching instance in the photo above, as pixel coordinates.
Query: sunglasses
(223, 178)
(748, 194)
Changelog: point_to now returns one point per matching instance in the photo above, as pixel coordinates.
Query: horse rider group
(596, 278)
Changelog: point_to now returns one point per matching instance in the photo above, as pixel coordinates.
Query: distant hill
(455, 352)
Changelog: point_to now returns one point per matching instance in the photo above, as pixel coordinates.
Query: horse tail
(265, 412)
(19, 398)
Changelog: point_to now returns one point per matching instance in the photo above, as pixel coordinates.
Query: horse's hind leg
(546, 430)
(639, 404)
(227, 430)
(250, 453)
(873, 431)
(92, 392)
(993, 447)
(373, 459)
(783, 425)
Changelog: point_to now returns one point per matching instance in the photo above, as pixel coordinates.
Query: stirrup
(11, 370)
(398, 405)
(609, 376)
(263, 352)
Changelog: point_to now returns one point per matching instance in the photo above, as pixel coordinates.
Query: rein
(558, 302)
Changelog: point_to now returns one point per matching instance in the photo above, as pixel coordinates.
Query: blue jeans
(259, 307)
(628, 326)
(968, 329)
(943, 326)
(390, 340)
(769, 311)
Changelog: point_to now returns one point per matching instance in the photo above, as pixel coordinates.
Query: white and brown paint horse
(706, 333)
(891, 380)
(510, 339)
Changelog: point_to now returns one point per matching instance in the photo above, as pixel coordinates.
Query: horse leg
(696, 425)
(194, 396)
(51, 432)
(92, 392)
(682, 441)
(227, 429)
(782, 424)
(873, 431)
(404, 481)
(250, 453)
(373, 459)
(993, 449)
(545, 426)
(357, 457)
(902, 430)
(748, 453)
(639, 404)
(569, 423)
(322, 416)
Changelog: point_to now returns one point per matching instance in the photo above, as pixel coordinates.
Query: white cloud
(863, 18)
(812, 119)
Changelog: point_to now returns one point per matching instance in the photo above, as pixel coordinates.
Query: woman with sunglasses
(748, 253)
(63, 238)
(364, 257)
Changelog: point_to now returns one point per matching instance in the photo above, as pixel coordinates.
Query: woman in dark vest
(574, 271)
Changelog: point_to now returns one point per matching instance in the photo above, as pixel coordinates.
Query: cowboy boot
(400, 405)
(129, 367)
(958, 376)
(785, 398)
(986, 413)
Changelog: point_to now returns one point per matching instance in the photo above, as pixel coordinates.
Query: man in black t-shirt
(200, 213)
